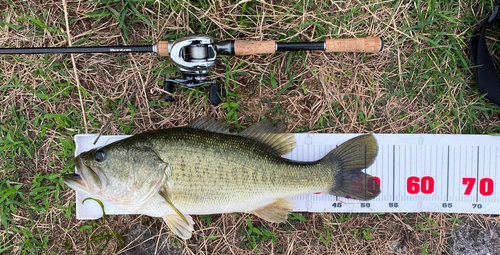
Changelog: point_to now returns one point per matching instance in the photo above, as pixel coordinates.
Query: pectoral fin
(164, 194)
(180, 224)
(183, 227)
(277, 211)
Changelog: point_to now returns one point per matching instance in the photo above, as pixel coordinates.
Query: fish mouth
(78, 181)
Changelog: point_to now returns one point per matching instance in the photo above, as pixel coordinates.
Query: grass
(422, 82)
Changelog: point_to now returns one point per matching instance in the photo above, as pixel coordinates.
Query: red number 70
(485, 186)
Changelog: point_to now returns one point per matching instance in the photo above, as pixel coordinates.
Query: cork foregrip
(162, 48)
(367, 44)
(253, 47)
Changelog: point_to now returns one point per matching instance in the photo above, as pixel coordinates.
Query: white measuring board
(417, 173)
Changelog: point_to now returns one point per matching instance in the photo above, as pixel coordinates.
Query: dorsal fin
(209, 124)
(271, 134)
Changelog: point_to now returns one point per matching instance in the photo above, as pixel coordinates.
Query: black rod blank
(300, 46)
(63, 50)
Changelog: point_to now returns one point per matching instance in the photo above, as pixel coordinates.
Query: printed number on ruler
(485, 186)
(415, 184)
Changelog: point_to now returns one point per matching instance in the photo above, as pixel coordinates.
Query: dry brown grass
(335, 88)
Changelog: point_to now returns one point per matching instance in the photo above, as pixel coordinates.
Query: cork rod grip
(162, 48)
(367, 44)
(253, 47)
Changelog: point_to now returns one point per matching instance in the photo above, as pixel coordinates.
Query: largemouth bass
(204, 169)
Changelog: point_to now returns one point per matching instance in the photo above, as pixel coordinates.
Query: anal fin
(277, 211)
(183, 227)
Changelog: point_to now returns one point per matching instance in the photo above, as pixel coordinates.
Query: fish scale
(244, 176)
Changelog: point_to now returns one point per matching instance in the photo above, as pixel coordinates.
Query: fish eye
(100, 155)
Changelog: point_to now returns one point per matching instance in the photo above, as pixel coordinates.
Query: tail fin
(350, 158)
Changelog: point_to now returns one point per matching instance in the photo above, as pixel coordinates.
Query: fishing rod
(195, 54)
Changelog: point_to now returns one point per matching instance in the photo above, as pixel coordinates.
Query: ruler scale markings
(422, 170)
(416, 161)
(473, 169)
(491, 176)
(460, 158)
(385, 165)
(401, 170)
(482, 174)
(427, 171)
(399, 173)
(443, 173)
(433, 195)
(477, 174)
(412, 198)
(420, 159)
(441, 178)
(485, 199)
(465, 170)
(436, 196)
(431, 155)
(430, 196)
(441, 167)
(410, 173)
(393, 173)
(448, 175)
(452, 173)
(426, 166)
(446, 154)
(469, 198)
(439, 156)
(413, 154)
(405, 171)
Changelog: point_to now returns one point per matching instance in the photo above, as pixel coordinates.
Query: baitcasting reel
(195, 54)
